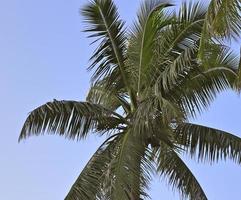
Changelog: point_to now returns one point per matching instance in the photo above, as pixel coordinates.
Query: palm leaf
(152, 17)
(186, 27)
(131, 170)
(198, 86)
(122, 169)
(222, 21)
(71, 119)
(209, 144)
(91, 182)
(171, 166)
(104, 23)
(197, 95)
(109, 98)
(177, 46)
(150, 20)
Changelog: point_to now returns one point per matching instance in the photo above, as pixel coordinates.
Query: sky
(44, 55)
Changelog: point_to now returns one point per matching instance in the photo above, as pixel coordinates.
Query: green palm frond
(177, 46)
(126, 169)
(209, 144)
(187, 26)
(198, 86)
(151, 121)
(151, 19)
(173, 168)
(222, 21)
(197, 95)
(105, 25)
(238, 80)
(71, 119)
(107, 97)
(91, 181)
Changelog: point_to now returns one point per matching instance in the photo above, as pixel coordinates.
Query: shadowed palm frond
(151, 121)
(196, 88)
(71, 119)
(197, 95)
(222, 21)
(130, 170)
(91, 183)
(108, 98)
(125, 168)
(177, 46)
(172, 167)
(209, 144)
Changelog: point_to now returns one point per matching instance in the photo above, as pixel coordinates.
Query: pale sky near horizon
(44, 55)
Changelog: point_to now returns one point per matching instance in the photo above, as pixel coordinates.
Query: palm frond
(177, 45)
(151, 18)
(209, 144)
(130, 169)
(197, 88)
(187, 26)
(222, 21)
(172, 167)
(71, 119)
(238, 80)
(198, 94)
(151, 121)
(123, 171)
(107, 97)
(104, 24)
(91, 182)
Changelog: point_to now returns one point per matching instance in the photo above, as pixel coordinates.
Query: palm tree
(148, 82)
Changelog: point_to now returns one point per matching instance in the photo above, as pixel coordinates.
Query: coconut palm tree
(148, 82)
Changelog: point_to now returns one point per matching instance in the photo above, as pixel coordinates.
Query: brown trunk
(134, 196)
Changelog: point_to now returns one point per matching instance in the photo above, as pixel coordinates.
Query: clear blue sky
(44, 55)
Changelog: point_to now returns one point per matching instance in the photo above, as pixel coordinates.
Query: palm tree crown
(148, 82)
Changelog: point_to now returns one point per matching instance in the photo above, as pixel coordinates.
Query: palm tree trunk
(135, 195)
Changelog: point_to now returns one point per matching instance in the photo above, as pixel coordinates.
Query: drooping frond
(222, 21)
(130, 169)
(224, 18)
(71, 119)
(90, 184)
(177, 46)
(123, 170)
(209, 144)
(197, 95)
(198, 87)
(173, 168)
